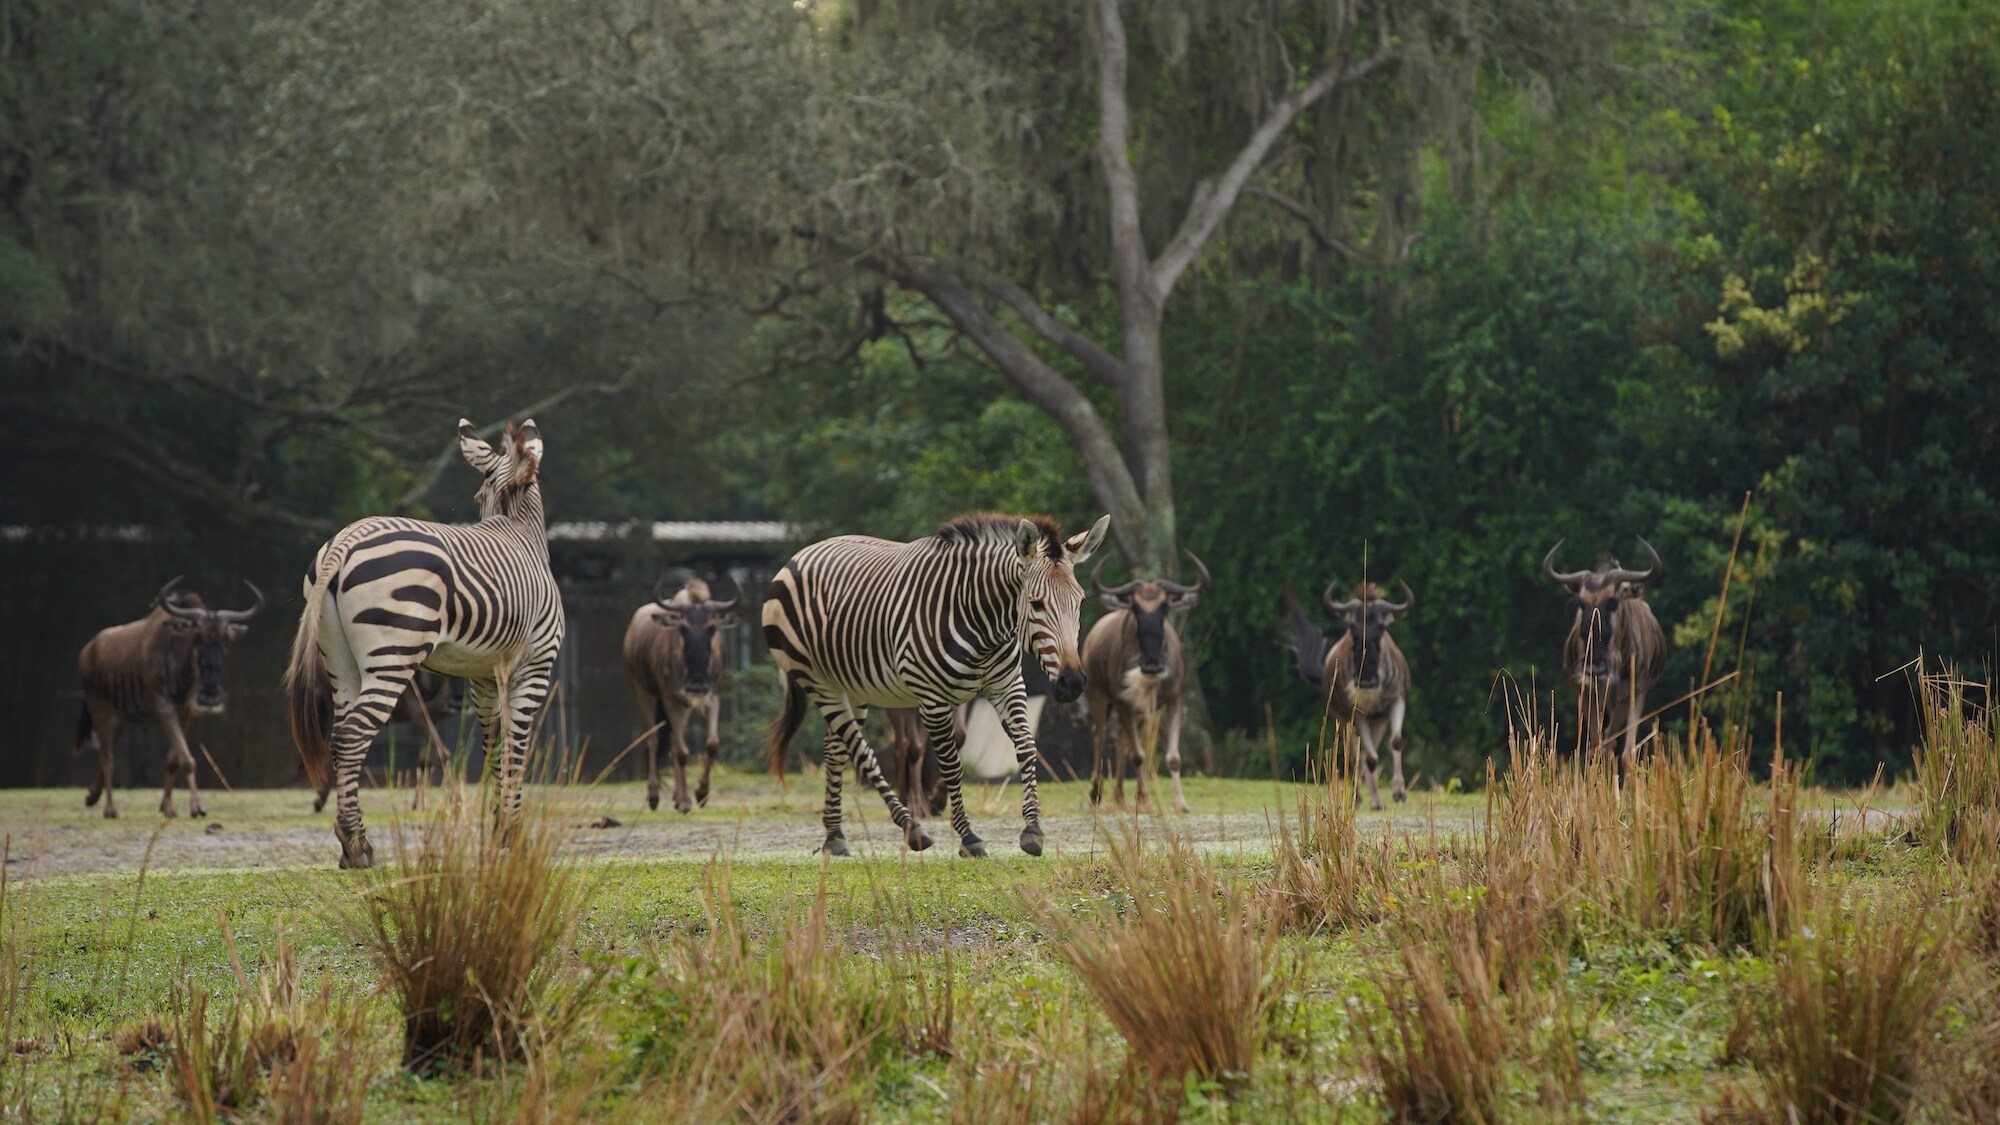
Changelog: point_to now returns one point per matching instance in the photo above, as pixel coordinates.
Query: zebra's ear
(1026, 538)
(1084, 544)
(478, 454)
(526, 442)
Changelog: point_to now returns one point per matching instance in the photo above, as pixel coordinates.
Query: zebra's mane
(999, 527)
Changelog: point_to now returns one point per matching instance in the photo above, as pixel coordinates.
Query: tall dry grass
(1958, 761)
(1177, 958)
(1326, 874)
(464, 924)
(1848, 1029)
(296, 1061)
(17, 984)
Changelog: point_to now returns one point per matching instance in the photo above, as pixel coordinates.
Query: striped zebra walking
(388, 596)
(855, 622)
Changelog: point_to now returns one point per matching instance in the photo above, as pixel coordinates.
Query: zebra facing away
(388, 596)
(855, 622)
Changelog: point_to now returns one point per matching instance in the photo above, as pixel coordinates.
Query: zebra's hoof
(972, 847)
(1031, 840)
(918, 839)
(836, 844)
(358, 858)
(652, 800)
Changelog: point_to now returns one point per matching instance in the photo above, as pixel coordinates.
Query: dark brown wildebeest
(161, 670)
(911, 766)
(428, 701)
(1365, 676)
(1614, 652)
(674, 659)
(1132, 660)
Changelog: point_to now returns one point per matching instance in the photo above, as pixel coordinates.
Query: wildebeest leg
(654, 741)
(178, 758)
(940, 726)
(869, 769)
(1099, 728)
(187, 764)
(1396, 746)
(104, 724)
(1010, 702)
(1173, 744)
(677, 752)
(1365, 727)
(1138, 755)
(711, 747)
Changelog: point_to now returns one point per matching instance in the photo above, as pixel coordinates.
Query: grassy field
(1561, 948)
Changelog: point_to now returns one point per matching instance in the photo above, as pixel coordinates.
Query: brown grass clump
(1059, 1071)
(1177, 959)
(141, 1037)
(1326, 875)
(1958, 762)
(1847, 1030)
(304, 1061)
(463, 925)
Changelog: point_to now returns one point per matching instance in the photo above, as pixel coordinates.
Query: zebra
(388, 596)
(854, 622)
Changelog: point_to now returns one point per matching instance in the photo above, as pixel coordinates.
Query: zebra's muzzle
(1068, 684)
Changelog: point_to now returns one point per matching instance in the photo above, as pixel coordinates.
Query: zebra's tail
(1306, 642)
(786, 725)
(309, 719)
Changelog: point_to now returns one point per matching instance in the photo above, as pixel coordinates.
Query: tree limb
(443, 460)
(1041, 384)
(1214, 198)
(1311, 218)
(1128, 240)
(1080, 347)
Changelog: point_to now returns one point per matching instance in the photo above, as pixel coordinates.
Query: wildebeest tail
(787, 724)
(1307, 644)
(309, 720)
(83, 730)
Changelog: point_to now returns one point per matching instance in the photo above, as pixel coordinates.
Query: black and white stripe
(388, 596)
(856, 622)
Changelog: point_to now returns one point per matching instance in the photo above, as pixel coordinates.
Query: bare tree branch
(1080, 347)
(1311, 218)
(450, 453)
(1128, 240)
(1214, 198)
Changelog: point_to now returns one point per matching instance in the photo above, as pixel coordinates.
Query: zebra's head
(510, 470)
(1052, 599)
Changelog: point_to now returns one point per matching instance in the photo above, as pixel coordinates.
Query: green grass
(108, 945)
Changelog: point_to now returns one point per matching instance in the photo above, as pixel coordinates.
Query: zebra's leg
(359, 719)
(711, 747)
(1173, 742)
(833, 760)
(845, 722)
(940, 726)
(677, 754)
(1396, 710)
(104, 724)
(1370, 761)
(1011, 702)
(527, 690)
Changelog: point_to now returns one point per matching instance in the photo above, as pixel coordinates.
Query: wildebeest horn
(1571, 578)
(723, 607)
(243, 614)
(662, 590)
(1103, 591)
(1402, 606)
(1620, 574)
(1201, 584)
(1338, 607)
(160, 599)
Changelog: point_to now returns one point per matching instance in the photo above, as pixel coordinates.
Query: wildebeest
(1364, 674)
(428, 701)
(1133, 660)
(1614, 652)
(911, 766)
(674, 659)
(163, 669)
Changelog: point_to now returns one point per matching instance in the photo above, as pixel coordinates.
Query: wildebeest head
(210, 630)
(1368, 616)
(697, 619)
(510, 470)
(1149, 602)
(1051, 603)
(1595, 598)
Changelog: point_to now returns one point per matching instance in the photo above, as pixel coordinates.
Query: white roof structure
(680, 531)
